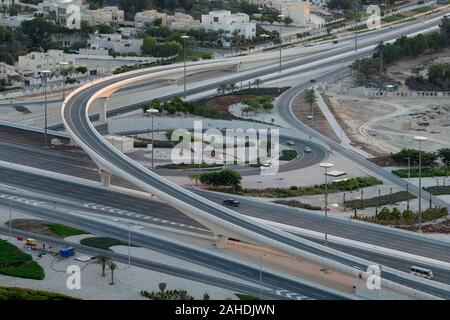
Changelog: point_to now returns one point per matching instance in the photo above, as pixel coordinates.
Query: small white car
(290, 143)
(307, 150)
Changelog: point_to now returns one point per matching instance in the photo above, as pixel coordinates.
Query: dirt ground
(302, 110)
(30, 225)
(384, 125)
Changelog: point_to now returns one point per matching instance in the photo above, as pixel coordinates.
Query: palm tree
(311, 99)
(112, 266)
(103, 260)
(145, 108)
(222, 88)
(257, 83)
(232, 87)
(162, 287)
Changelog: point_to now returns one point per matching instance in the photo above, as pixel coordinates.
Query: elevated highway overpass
(223, 221)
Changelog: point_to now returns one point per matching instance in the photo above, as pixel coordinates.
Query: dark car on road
(231, 202)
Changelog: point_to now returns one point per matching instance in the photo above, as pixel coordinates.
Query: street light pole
(281, 16)
(409, 169)
(260, 275)
(420, 139)
(326, 166)
(356, 25)
(129, 244)
(64, 63)
(184, 68)
(10, 217)
(152, 111)
(45, 73)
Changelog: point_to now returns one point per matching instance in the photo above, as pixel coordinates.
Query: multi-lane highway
(222, 220)
(85, 168)
(247, 272)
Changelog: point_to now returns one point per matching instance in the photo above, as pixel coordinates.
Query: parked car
(307, 150)
(231, 202)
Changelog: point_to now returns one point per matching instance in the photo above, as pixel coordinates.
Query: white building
(297, 10)
(229, 23)
(148, 17)
(7, 3)
(105, 15)
(14, 21)
(182, 21)
(116, 43)
(58, 7)
(50, 60)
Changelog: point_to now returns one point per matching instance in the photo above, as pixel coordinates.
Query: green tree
(444, 155)
(310, 97)
(162, 287)
(112, 266)
(222, 88)
(81, 69)
(145, 108)
(225, 177)
(287, 21)
(257, 83)
(103, 260)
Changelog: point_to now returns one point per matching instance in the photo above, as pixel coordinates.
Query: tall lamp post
(152, 111)
(420, 139)
(260, 275)
(63, 65)
(326, 166)
(184, 68)
(44, 74)
(280, 16)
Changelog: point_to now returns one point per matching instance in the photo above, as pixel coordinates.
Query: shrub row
(336, 186)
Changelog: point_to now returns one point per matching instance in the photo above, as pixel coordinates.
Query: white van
(421, 272)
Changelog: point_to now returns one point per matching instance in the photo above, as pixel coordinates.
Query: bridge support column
(102, 107)
(221, 242)
(105, 177)
(72, 142)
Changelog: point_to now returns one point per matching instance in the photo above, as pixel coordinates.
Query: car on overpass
(231, 202)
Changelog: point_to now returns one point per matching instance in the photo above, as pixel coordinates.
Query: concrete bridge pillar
(221, 241)
(103, 104)
(105, 177)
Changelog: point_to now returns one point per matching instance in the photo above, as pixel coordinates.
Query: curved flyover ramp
(223, 221)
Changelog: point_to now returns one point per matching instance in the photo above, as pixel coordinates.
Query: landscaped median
(386, 199)
(13, 293)
(427, 172)
(333, 187)
(406, 219)
(16, 263)
(229, 181)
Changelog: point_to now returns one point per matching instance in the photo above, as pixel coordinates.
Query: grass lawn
(12, 293)
(382, 200)
(242, 296)
(393, 18)
(438, 190)
(102, 242)
(16, 263)
(422, 9)
(190, 166)
(333, 187)
(426, 172)
(64, 231)
(288, 155)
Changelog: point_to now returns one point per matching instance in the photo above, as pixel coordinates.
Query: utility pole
(381, 46)
(356, 25)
